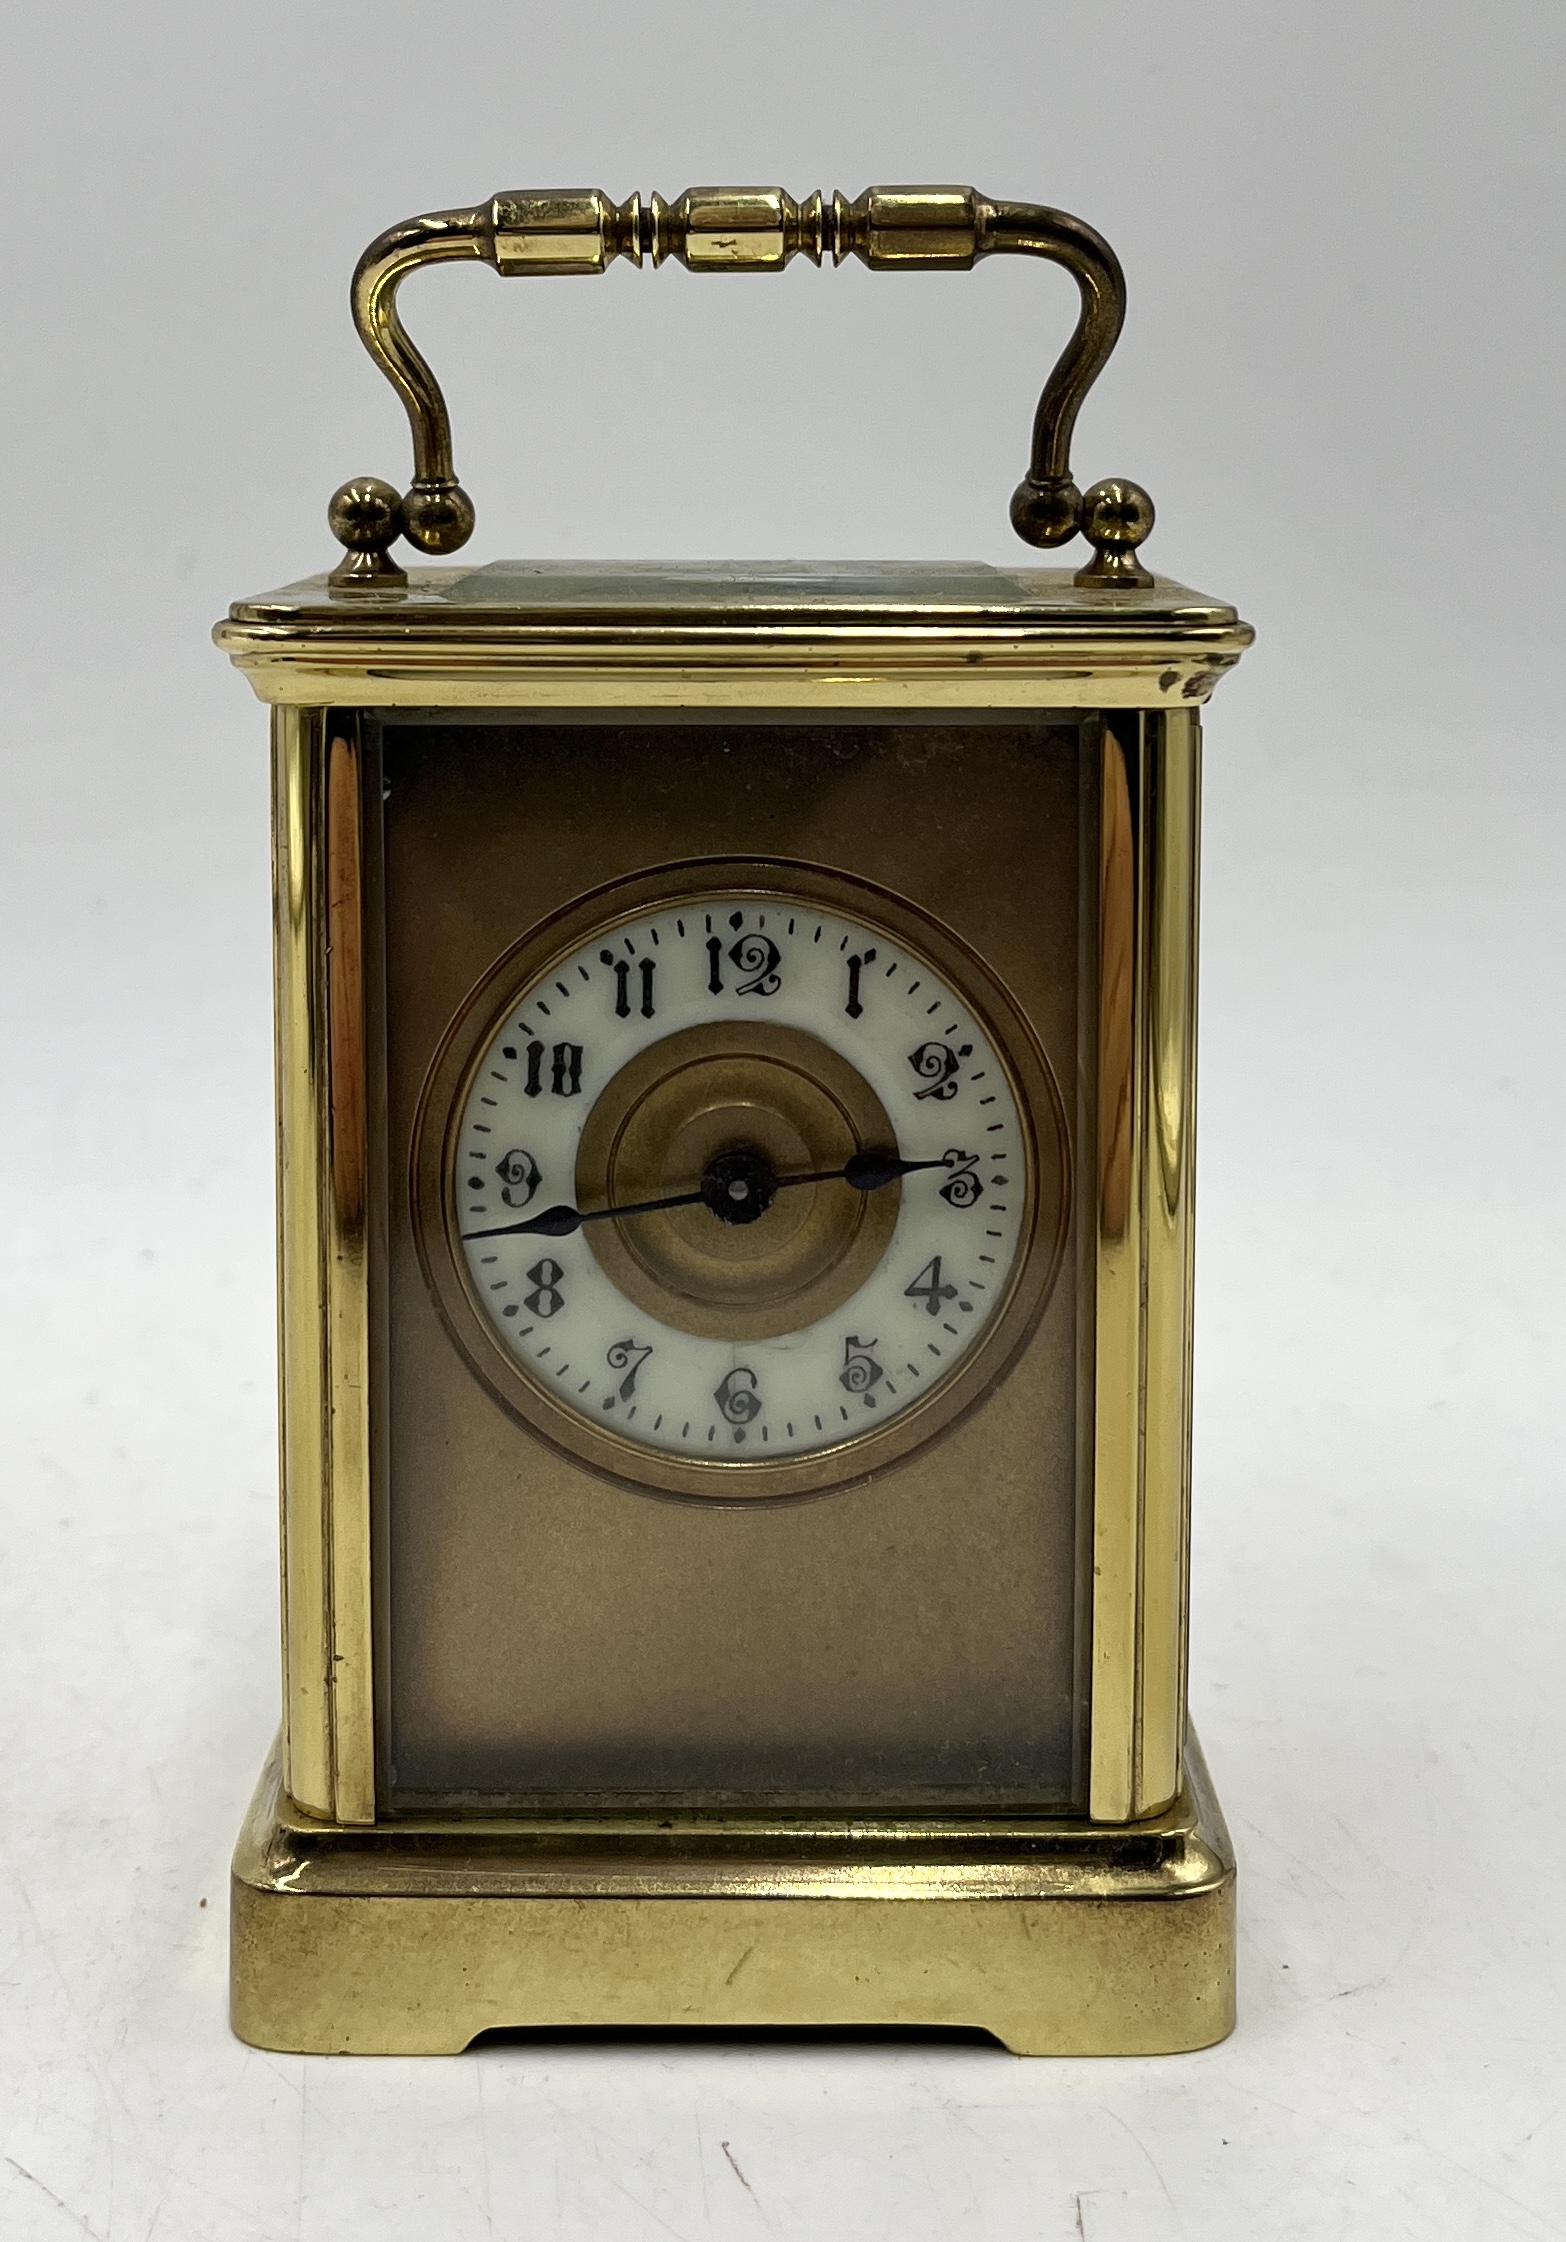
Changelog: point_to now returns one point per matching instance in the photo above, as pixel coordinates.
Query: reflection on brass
(304, 1367)
(690, 635)
(1117, 958)
(345, 984)
(738, 229)
(712, 1089)
(1117, 517)
(681, 1275)
(323, 1273)
(1058, 1937)
(366, 518)
(1142, 1412)
(1169, 1161)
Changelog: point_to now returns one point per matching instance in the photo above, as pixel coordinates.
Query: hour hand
(560, 1222)
(554, 1222)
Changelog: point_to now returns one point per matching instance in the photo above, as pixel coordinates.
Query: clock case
(1094, 1918)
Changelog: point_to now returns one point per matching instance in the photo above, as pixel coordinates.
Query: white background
(1341, 379)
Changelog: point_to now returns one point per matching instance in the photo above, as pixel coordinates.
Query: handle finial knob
(1116, 517)
(365, 517)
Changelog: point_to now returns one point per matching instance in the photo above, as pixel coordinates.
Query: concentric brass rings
(721, 1087)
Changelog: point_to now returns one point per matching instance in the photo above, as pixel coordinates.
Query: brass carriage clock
(735, 1035)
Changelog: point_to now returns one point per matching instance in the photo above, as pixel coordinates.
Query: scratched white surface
(1343, 231)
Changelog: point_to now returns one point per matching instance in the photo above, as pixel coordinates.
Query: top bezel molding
(681, 634)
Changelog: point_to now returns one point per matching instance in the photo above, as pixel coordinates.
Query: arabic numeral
(757, 957)
(966, 1187)
(737, 1397)
(565, 1070)
(626, 1355)
(620, 968)
(928, 1288)
(546, 1299)
(860, 1373)
(754, 957)
(856, 966)
(519, 1175)
(936, 1065)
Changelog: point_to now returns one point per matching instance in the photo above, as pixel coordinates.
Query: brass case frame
(1109, 1933)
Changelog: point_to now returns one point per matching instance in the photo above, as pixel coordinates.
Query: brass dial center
(736, 1103)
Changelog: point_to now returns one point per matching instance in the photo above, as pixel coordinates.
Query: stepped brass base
(1059, 1937)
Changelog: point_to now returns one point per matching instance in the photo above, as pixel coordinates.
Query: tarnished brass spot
(723, 1086)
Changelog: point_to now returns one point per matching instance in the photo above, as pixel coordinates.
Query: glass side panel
(745, 585)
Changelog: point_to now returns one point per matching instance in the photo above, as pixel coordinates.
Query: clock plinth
(1059, 1938)
(736, 1121)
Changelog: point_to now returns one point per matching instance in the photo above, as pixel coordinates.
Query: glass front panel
(728, 1426)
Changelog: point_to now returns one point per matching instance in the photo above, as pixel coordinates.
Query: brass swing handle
(738, 229)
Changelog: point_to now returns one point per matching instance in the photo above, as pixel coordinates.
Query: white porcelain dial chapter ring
(850, 1157)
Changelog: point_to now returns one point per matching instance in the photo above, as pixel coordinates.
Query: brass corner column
(323, 1275)
(1145, 1260)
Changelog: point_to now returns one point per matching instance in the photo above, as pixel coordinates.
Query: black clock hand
(866, 1171)
(560, 1222)
(737, 1187)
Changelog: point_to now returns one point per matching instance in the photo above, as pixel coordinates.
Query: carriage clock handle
(738, 229)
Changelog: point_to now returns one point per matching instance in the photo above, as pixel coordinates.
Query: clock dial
(740, 1178)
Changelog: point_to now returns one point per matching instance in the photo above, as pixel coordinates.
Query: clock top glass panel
(950, 592)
